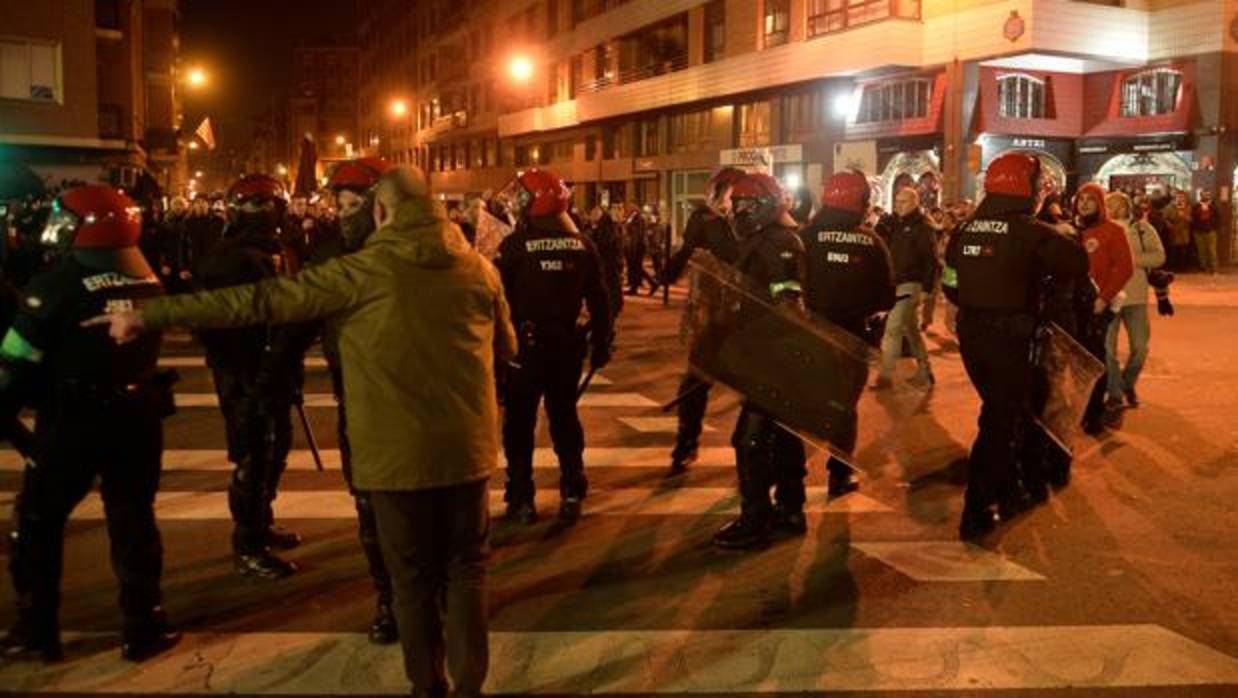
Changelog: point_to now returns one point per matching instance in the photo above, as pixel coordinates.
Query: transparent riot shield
(806, 373)
(1067, 373)
(490, 233)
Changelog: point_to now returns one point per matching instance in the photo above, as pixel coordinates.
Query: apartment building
(640, 99)
(89, 91)
(324, 102)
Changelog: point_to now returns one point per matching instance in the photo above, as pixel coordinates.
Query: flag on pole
(206, 134)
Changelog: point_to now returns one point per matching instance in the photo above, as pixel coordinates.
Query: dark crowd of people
(440, 357)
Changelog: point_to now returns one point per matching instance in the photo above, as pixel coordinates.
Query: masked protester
(99, 408)
(549, 269)
(766, 455)
(257, 372)
(709, 229)
(353, 183)
(850, 277)
(994, 265)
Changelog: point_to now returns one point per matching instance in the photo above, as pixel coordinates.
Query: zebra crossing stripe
(338, 504)
(301, 459)
(957, 660)
(310, 362)
(589, 399)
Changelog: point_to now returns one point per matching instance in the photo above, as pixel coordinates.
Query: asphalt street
(1123, 585)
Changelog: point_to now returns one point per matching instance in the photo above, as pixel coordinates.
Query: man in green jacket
(421, 320)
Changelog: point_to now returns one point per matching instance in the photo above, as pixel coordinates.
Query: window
(825, 16)
(562, 151)
(649, 138)
(1020, 97)
(1151, 92)
(107, 14)
(777, 22)
(552, 18)
(689, 131)
(801, 112)
(715, 31)
(576, 76)
(895, 101)
(30, 70)
(754, 124)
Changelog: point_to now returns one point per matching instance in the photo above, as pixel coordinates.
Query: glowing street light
(339, 140)
(521, 68)
(198, 174)
(399, 107)
(282, 169)
(197, 77)
(193, 145)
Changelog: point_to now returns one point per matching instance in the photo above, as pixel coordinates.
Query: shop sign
(1037, 143)
(1163, 144)
(858, 155)
(762, 157)
(644, 165)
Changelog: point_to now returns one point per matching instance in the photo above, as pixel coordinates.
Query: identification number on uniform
(118, 305)
(552, 265)
(977, 250)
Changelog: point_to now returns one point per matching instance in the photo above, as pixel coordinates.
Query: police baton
(309, 436)
(584, 384)
(684, 396)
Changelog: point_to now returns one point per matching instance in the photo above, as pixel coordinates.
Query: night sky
(246, 46)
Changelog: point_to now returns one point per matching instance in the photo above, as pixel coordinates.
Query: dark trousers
(367, 527)
(259, 429)
(691, 414)
(73, 444)
(551, 369)
(766, 455)
(995, 349)
(1093, 339)
(435, 542)
(636, 271)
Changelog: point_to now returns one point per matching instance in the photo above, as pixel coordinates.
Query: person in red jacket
(1110, 266)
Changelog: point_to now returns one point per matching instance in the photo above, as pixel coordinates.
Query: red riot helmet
(717, 185)
(846, 191)
(1013, 174)
(256, 201)
(93, 217)
(758, 201)
(535, 194)
(357, 175)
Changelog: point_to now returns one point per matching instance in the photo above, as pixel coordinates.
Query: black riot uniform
(359, 178)
(771, 256)
(994, 267)
(548, 270)
(99, 408)
(258, 374)
(706, 230)
(850, 279)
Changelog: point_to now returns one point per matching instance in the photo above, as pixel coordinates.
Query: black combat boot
(744, 533)
(681, 461)
(148, 636)
(281, 538)
(263, 564)
(383, 630)
(569, 510)
(789, 522)
(521, 511)
(976, 523)
(842, 480)
(29, 637)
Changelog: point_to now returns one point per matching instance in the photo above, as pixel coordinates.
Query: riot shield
(805, 372)
(1067, 373)
(490, 233)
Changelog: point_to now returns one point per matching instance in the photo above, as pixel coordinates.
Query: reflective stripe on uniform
(783, 287)
(15, 346)
(949, 277)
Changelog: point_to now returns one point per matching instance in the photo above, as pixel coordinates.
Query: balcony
(111, 121)
(669, 64)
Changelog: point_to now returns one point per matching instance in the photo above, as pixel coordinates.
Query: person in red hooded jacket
(1110, 266)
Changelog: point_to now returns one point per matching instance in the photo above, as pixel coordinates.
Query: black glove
(600, 356)
(1163, 306)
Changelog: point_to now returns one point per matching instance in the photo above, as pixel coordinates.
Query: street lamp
(521, 68)
(339, 140)
(197, 77)
(283, 170)
(193, 145)
(198, 174)
(399, 108)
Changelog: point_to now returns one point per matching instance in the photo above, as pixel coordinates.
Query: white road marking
(590, 399)
(212, 400)
(656, 425)
(948, 659)
(301, 459)
(200, 362)
(338, 504)
(947, 561)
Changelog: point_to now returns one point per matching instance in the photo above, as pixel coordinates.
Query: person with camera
(1148, 255)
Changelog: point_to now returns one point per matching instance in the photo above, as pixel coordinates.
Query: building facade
(324, 103)
(640, 99)
(89, 91)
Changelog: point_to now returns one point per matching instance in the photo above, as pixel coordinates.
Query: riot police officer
(257, 372)
(708, 228)
(850, 277)
(353, 183)
(99, 408)
(772, 258)
(994, 265)
(548, 270)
